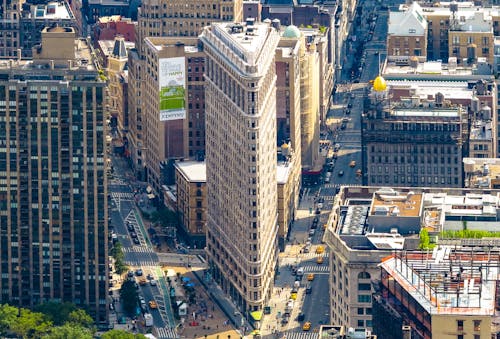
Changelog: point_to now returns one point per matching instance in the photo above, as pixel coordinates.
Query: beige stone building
(309, 105)
(118, 85)
(241, 159)
(170, 18)
(191, 182)
(288, 176)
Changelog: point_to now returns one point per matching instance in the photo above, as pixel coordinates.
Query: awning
(256, 315)
(151, 196)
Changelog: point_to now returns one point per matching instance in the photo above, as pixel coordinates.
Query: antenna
(379, 67)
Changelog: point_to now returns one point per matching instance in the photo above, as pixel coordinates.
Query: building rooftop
(283, 170)
(108, 45)
(193, 171)
(447, 282)
(82, 59)
(51, 10)
(407, 23)
(342, 332)
(246, 40)
(161, 43)
(390, 202)
(425, 89)
(482, 172)
(481, 131)
(427, 112)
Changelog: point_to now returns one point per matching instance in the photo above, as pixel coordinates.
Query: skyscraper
(241, 150)
(53, 205)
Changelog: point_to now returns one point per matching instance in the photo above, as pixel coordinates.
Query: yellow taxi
(319, 260)
(152, 304)
(352, 163)
(325, 226)
(310, 277)
(142, 281)
(320, 250)
(293, 296)
(306, 326)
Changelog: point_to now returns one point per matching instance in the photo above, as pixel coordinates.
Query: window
(477, 325)
(364, 298)
(460, 325)
(361, 323)
(364, 275)
(364, 287)
(361, 310)
(460, 336)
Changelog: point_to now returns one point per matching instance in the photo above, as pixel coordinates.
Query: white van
(300, 271)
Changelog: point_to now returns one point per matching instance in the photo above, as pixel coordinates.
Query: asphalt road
(123, 212)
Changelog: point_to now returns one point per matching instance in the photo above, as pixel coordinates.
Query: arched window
(364, 275)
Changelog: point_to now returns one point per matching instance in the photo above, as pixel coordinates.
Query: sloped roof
(409, 23)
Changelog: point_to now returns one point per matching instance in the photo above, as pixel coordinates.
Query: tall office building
(186, 18)
(241, 152)
(53, 206)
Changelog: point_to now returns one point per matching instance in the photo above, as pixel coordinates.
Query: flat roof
(428, 67)
(193, 171)
(246, 41)
(425, 89)
(51, 10)
(283, 170)
(426, 112)
(161, 43)
(447, 282)
(391, 202)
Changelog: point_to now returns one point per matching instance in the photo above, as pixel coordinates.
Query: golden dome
(379, 84)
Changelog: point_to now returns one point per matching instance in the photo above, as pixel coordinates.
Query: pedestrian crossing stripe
(141, 263)
(140, 249)
(300, 335)
(314, 255)
(165, 333)
(122, 195)
(316, 268)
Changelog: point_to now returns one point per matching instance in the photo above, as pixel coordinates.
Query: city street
(123, 212)
(346, 110)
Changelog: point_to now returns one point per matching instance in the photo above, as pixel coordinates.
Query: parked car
(138, 272)
(136, 241)
(341, 173)
(306, 326)
(301, 317)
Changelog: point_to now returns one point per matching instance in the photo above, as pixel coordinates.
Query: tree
(120, 334)
(56, 312)
(165, 217)
(8, 315)
(69, 330)
(81, 318)
(128, 295)
(117, 253)
(31, 324)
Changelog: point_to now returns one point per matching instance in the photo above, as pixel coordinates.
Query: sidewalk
(211, 321)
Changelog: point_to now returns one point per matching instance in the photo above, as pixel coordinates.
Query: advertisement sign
(172, 81)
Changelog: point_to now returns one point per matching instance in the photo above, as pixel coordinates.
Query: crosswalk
(313, 255)
(122, 195)
(300, 335)
(165, 333)
(140, 262)
(117, 181)
(315, 268)
(138, 249)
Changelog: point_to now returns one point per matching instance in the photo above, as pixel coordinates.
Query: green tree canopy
(31, 324)
(8, 315)
(69, 330)
(120, 334)
(128, 295)
(56, 312)
(81, 318)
